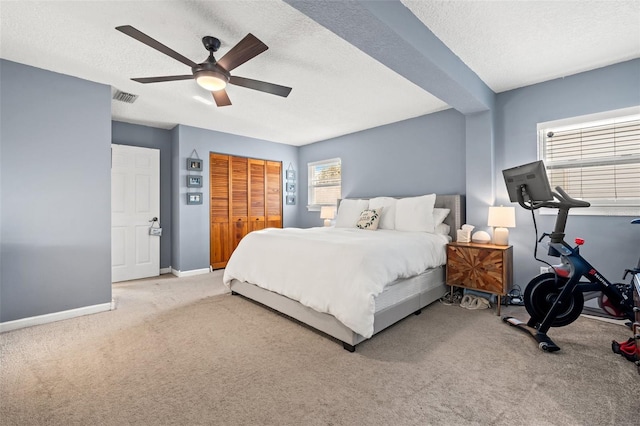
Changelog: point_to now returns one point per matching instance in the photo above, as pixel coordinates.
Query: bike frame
(581, 268)
(578, 268)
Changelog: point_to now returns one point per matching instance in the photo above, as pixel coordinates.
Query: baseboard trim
(53, 317)
(181, 274)
(165, 270)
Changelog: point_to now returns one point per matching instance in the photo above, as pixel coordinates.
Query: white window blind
(325, 181)
(597, 161)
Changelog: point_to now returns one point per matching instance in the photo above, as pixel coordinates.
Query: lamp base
(327, 222)
(501, 236)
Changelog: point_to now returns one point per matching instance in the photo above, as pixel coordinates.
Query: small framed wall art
(194, 197)
(290, 174)
(291, 199)
(194, 164)
(291, 187)
(194, 181)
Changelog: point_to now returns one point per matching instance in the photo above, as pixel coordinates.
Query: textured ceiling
(337, 89)
(511, 44)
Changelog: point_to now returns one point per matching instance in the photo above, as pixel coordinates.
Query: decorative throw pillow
(349, 212)
(369, 219)
(415, 213)
(388, 213)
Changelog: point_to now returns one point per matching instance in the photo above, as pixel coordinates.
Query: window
(325, 180)
(595, 158)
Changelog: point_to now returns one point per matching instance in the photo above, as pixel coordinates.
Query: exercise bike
(555, 299)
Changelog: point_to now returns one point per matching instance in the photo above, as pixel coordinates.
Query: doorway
(135, 202)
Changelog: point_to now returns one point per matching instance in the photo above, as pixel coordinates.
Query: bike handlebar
(564, 203)
(570, 202)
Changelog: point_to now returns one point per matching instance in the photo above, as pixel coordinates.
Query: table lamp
(501, 218)
(327, 213)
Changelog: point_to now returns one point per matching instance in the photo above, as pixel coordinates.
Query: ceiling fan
(211, 74)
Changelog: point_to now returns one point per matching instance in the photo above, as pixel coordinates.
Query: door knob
(155, 219)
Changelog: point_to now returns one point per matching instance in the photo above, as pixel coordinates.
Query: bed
(387, 298)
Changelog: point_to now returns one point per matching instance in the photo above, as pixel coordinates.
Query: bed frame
(328, 324)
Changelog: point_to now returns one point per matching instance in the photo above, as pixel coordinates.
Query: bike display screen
(533, 176)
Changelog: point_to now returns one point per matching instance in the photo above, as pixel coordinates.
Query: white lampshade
(327, 213)
(501, 218)
(211, 80)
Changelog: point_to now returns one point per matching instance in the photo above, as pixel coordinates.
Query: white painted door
(135, 201)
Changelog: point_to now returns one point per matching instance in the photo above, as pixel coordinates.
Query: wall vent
(125, 97)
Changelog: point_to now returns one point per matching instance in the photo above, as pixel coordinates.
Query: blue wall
(151, 137)
(413, 157)
(184, 245)
(449, 152)
(612, 243)
(55, 141)
(55, 243)
(190, 223)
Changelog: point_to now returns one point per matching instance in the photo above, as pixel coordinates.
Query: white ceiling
(337, 89)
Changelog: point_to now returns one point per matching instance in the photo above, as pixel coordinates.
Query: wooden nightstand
(482, 267)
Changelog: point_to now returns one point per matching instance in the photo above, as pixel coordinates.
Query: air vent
(125, 97)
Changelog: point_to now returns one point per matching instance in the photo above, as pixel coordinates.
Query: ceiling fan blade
(249, 47)
(262, 86)
(161, 79)
(221, 98)
(142, 37)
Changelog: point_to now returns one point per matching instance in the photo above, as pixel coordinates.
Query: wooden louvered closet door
(256, 195)
(273, 194)
(246, 195)
(219, 240)
(239, 199)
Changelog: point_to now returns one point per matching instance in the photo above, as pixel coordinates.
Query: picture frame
(291, 199)
(290, 174)
(194, 164)
(291, 187)
(194, 198)
(194, 181)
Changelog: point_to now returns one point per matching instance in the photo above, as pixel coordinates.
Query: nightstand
(483, 267)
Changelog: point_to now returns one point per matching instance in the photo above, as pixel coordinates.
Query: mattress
(400, 290)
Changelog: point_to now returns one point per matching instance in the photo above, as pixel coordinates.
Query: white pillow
(369, 219)
(388, 213)
(439, 215)
(415, 213)
(443, 229)
(349, 212)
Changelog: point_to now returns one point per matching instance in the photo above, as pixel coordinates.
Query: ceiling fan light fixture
(211, 80)
(212, 75)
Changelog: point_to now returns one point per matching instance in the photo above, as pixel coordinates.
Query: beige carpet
(178, 351)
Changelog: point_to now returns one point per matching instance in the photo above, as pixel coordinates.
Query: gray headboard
(453, 202)
(457, 217)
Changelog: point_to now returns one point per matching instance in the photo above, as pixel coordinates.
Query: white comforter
(337, 271)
